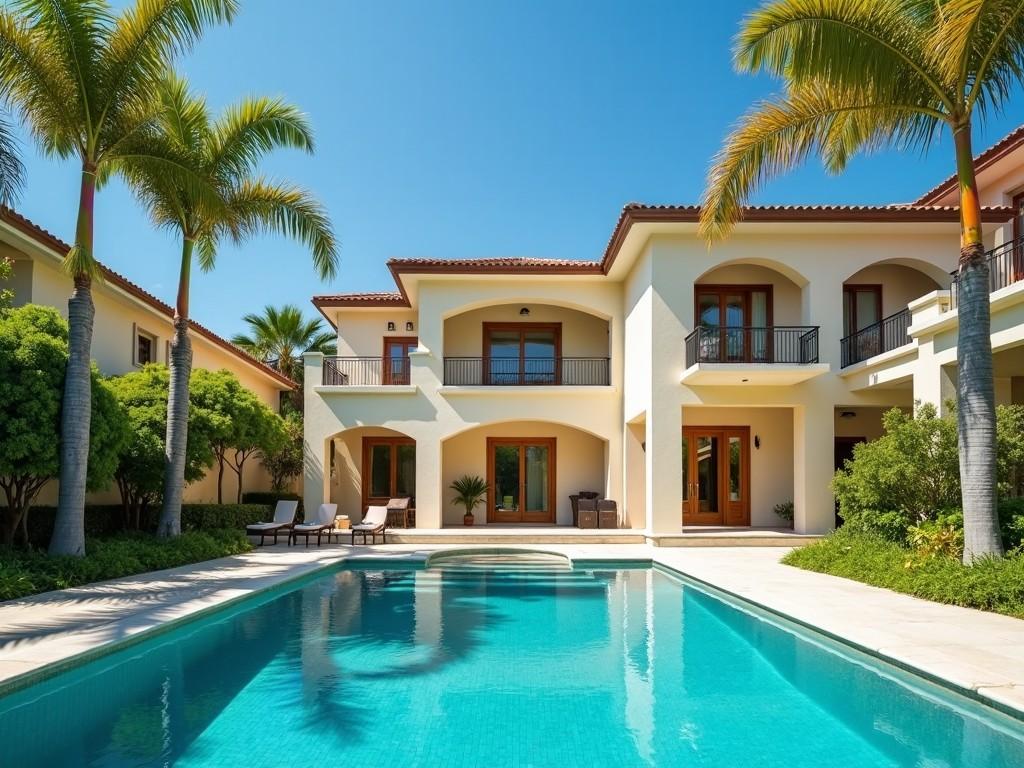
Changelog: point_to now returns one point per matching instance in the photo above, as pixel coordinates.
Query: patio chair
(401, 507)
(607, 514)
(587, 513)
(284, 519)
(374, 521)
(323, 522)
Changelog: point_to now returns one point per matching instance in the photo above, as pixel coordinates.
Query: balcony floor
(752, 374)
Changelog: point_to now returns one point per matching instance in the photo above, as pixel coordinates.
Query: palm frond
(260, 206)
(988, 37)
(777, 135)
(252, 128)
(12, 171)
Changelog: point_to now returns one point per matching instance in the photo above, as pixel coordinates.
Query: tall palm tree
(282, 335)
(860, 76)
(225, 153)
(83, 79)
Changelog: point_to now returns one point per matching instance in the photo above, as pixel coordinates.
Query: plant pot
(467, 519)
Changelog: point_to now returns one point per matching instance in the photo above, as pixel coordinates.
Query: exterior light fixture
(524, 311)
(744, 380)
(847, 414)
(391, 326)
(408, 326)
(757, 442)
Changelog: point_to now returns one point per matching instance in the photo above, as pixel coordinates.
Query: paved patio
(973, 650)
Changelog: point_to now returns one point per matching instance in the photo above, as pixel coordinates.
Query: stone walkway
(973, 650)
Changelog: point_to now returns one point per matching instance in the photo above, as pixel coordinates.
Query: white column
(813, 466)
(315, 448)
(428, 481)
(932, 381)
(664, 470)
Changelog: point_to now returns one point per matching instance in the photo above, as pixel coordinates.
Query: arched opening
(370, 465)
(526, 343)
(531, 469)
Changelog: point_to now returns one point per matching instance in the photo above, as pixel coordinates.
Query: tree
(860, 76)
(140, 470)
(285, 462)
(283, 335)
(12, 172)
(6, 270)
(83, 78)
(225, 153)
(238, 424)
(33, 356)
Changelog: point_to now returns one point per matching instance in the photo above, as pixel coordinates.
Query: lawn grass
(29, 572)
(991, 584)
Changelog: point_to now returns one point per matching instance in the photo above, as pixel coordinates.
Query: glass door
(396, 359)
(739, 318)
(521, 475)
(716, 476)
(522, 353)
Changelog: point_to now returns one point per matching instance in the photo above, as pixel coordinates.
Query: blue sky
(467, 128)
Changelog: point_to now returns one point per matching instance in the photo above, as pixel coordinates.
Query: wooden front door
(396, 358)
(716, 476)
(521, 480)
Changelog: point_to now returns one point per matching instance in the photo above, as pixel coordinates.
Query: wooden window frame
(489, 327)
(387, 375)
(731, 512)
(1018, 215)
(365, 476)
(854, 288)
(747, 290)
(552, 445)
(138, 331)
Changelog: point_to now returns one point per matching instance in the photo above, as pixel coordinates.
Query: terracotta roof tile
(51, 241)
(1004, 146)
(410, 265)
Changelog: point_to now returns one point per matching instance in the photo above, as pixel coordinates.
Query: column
(316, 476)
(813, 467)
(664, 470)
(428, 481)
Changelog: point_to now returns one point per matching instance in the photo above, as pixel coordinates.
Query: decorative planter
(467, 519)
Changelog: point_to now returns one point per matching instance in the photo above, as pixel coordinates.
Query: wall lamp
(391, 326)
(524, 311)
(409, 326)
(757, 442)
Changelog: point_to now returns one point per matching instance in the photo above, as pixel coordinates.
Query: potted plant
(470, 490)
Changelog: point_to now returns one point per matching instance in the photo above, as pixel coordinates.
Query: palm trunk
(976, 409)
(180, 364)
(76, 408)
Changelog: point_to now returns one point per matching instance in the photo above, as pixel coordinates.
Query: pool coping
(401, 557)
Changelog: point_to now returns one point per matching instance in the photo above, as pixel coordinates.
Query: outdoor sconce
(391, 326)
(524, 311)
(847, 414)
(757, 442)
(408, 326)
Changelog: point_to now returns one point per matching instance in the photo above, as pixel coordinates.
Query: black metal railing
(775, 344)
(1005, 267)
(365, 371)
(520, 371)
(888, 333)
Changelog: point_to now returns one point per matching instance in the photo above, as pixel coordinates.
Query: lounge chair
(374, 521)
(400, 507)
(323, 522)
(284, 519)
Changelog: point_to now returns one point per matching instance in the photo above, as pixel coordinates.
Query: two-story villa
(693, 385)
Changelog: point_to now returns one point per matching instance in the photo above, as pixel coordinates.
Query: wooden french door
(742, 317)
(521, 480)
(396, 358)
(716, 476)
(1018, 236)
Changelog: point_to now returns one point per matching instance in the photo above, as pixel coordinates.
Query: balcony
(770, 356)
(887, 334)
(526, 371)
(1005, 267)
(365, 371)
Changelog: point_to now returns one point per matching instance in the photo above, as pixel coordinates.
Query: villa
(692, 385)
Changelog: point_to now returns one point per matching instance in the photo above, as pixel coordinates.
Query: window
(389, 469)
(143, 347)
(743, 314)
(862, 306)
(522, 353)
(396, 359)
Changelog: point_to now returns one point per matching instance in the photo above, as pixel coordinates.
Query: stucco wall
(786, 301)
(583, 335)
(361, 332)
(900, 285)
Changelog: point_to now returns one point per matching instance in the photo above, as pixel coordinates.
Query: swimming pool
(373, 666)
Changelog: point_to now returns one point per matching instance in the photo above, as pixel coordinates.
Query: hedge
(105, 520)
(270, 498)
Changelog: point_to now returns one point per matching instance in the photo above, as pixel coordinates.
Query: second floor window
(743, 315)
(396, 359)
(522, 353)
(862, 307)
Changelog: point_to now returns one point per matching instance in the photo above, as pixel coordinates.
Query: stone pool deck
(977, 652)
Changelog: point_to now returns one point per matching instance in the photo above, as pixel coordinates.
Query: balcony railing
(365, 371)
(518, 371)
(888, 333)
(792, 345)
(1005, 267)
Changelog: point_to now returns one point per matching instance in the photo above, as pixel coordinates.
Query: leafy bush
(1011, 522)
(784, 510)
(270, 499)
(991, 584)
(28, 572)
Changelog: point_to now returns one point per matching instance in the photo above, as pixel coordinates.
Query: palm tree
(83, 78)
(12, 172)
(860, 76)
(283, 335)
(225, 153)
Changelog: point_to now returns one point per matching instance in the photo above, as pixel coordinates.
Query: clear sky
(468, 128)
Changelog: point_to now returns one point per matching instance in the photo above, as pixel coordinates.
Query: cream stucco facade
(123, 312)
(717, 382)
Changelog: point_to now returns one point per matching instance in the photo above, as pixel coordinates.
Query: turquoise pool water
(588, 667)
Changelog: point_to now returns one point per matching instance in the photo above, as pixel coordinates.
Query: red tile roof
(1011, 141)
(51, 241)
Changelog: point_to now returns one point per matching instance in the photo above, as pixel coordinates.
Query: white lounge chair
(323, 521)
(284, 519)
(374, 521)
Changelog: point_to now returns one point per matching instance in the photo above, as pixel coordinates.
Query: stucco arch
(785, 270)
(937, 274)
(525, 299)
(498, 423)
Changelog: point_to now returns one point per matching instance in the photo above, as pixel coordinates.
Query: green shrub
(28, 572)
(1011, 522)
(270, 499)
(991, 584)
(784, 510)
